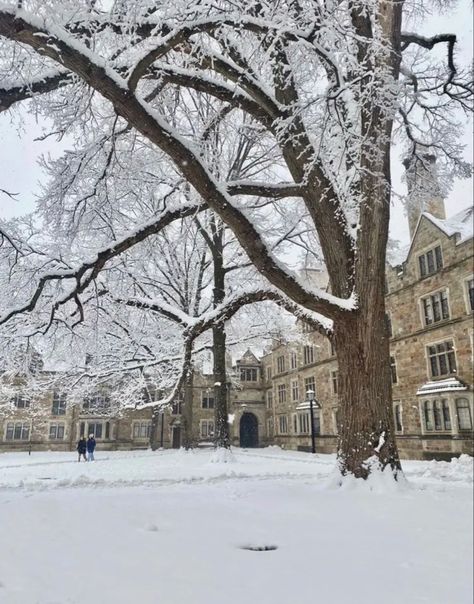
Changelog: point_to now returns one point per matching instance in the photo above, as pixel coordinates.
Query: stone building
(430, 306)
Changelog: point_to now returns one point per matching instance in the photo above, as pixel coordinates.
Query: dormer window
(248, 374)
(430, 262)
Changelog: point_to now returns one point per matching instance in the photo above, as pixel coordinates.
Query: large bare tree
(326, 82)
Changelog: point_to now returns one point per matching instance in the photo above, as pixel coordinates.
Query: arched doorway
(248, 431)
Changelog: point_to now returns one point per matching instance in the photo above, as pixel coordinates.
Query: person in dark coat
(90, 447)
(82, 448)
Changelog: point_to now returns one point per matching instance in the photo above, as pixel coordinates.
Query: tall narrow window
(281, 393)
(308, 355)
(446, 415)
(463, 411)
(270, 399)
(309, 384)
(438, 418)
(335, 381)
(59, 403)
(470, 294)
(293, 360)
(398, 418)
(280, 364)
(283, 424)
(430, 262)
(388, 321)
(295, 391)
(428, 415)
(435, 308)
(393, 370)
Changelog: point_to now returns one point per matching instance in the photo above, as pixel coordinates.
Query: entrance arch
(248, 431)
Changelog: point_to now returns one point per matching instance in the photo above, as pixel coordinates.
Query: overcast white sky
(19, 152)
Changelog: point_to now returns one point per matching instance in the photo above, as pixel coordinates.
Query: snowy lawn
(169, 528)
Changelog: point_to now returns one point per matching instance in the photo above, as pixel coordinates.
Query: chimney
(424, 193)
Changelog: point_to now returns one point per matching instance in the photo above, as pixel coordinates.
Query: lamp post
(312, 403)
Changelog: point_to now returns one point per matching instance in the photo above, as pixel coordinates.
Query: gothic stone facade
(430, 305)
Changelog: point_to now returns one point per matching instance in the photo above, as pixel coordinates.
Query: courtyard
(268, 526)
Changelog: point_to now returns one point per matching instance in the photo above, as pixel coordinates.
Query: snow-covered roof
(460, 224)
(447, 385)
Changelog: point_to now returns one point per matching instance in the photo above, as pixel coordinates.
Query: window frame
(432, 303)
(434, 256)
(469, 412)
(450, 362)
(144, 426)
(57, 426)
(17, 424)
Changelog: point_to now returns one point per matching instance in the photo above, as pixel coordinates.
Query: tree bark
(187, 410)
(221, 421)
(366, 430)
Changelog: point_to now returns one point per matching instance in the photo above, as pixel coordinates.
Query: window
(463, 412)
(309, 384)
(388, 321)
(176, 407)
(17, 431)
(470, 294)
(435, 307)
(317, 422)
(393, 370)
(308, 355)
(281, 364)
(398, 418)
(293, 360)
(436, 415)
(56, 431)
(332, 348)
(295, 423)
(95, 428)
(269, 373)
(430, 262)
(142, 429)
(295, 391)
(98, 402)
(207, 428)
(282, 393)
(283, 424)
(428, 415)
(303, 423)
(335, 381)
(269, 427)
(59, 403)
(248, 374)
(442, 359)
(21, 401)
(207, 400)
(270, 399)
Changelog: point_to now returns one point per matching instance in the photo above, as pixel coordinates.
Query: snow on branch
(88, 271)
(58, 45)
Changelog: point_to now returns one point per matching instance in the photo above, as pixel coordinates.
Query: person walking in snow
(90, 447)
(82, 448)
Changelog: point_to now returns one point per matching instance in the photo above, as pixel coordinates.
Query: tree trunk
(222, 436)
(221, 420)
(366, 430)
(187, 410)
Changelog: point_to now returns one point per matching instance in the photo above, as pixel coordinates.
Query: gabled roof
(248, 358)
(460, 226)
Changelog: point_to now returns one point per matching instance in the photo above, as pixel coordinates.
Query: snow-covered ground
(171, 528)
